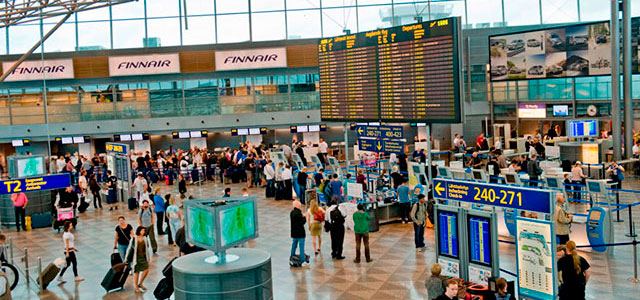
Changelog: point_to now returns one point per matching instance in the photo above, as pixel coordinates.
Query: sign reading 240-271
(37, 183)
(493, 194)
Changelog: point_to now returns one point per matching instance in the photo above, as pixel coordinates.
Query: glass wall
(174, 22)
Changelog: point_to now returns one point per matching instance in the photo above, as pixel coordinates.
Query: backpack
(336, 217)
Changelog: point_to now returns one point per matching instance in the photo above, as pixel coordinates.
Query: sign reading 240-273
(493, 194)
(37, 183)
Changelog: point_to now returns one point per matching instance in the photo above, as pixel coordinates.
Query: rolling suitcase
(153, 176)
(116, 277)
(164, 289)
(167, 271)
(115, 258)
(84, 204)
(48, 274)
(133, 203)
(41, 220)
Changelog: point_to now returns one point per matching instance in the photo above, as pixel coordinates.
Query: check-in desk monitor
(444, 172)
(512, 178)
(480, 175)
(554, 182)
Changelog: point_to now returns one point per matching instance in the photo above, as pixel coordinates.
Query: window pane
(232, 6)
(594, 10)
(63, 39)
(554, 11)
(93, 35)
(445, 9)
(338, 3)
(23, 37)
(297, 4)
(166, 29)
(303, 24)
(233, 28)
(335, 20)
(202, 30)
(100, 14)
(406, 13)
(129, 10)
(202, 7)
(128, 34)
(369, 2)
(275, 30)
(163, 8)
(514, 14)
(266, 5)
(3, 41)
(370, 17)
(483, 13)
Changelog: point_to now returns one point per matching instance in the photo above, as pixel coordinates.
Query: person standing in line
(69, 252)
(94, 187)
(124, 231)
(361, 230)
(336, 216)
(574, 273)
(287, 178)
(269, 174)
(175, 218)
(404, 197)
(322, 151)
(279, 182)
(336, 188)
(159, 208)
(315, 219)
(138, 254)
(451, 291)
(83, 185)
(563, 220)
(419, 217)
(434, 284)
(534, 170)
(318, 177)
(302, 184)
(146, 220)
(298, 233)
(361, 179)
(19, 206)
(112, 187)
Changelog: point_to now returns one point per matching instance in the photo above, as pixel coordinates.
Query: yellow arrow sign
(379, 146)
(439, 188)
(360, 130)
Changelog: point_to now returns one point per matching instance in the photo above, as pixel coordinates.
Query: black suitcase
(116, 277)
(164, 289)
(195, 175)
(83, 206)
(153, 176)
(167, 271)
(48, 274)
(115, 259)
(133, 203)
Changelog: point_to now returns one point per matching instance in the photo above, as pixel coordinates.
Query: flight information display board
(479, 240)
(404, 73)
(448, 233)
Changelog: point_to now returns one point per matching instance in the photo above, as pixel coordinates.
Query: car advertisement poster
(569, 51)
(535, 256)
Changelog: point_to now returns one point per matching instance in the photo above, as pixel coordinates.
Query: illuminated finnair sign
(48, 69)
(251, 59)
(144, 64)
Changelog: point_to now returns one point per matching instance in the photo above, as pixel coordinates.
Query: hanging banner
(251, 59)
(38, 70)
(144, 64)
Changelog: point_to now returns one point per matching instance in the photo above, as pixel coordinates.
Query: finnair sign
(144, 64)
(49, 69)
(251, 59)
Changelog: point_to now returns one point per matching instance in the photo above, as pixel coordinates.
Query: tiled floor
(397, 272)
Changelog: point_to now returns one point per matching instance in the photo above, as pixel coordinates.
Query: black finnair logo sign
(144, 64)
(251, 59)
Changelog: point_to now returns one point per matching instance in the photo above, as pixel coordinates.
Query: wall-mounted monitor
(30, 166)
(137, 137)
(254, 131)
(20, 142)
(243, 131)
(66, 140)
(195, 134)
(561, 110)
(532, 111)
(303, 128)
(125, 138)
(582, 128)
(184, 135)
(78, 140)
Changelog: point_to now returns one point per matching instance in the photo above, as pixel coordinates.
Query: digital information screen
(479, 240)
(583, 128)
(404, 73)
(448, 233)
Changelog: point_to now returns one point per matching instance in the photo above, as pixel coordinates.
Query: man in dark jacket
(68, 198)
(534, 170)
(298, 233)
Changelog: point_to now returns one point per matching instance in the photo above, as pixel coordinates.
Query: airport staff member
(475, 162)
(563, 220)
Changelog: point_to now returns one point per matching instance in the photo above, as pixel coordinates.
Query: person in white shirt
(636, 149)
(140, 186)
(160, 162)
(322, 151)
(497, 144)
(393, 160)
(61, 163)
(70, 253)
(286, 150)
(82, 183)
(456, 141)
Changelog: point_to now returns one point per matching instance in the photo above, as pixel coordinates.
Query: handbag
(620, 176)
(327, 226)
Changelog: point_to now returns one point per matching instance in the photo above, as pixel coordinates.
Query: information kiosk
(278, 157)
(448, 239)
(297, 161)
(315, 162)
(599, 220)
(417, 173)
(333, 163)
(482, 237)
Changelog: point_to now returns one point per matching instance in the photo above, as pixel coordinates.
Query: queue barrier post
(635, 278)
(26, 264)
(632, 232)
(40, 274)
(618, 205)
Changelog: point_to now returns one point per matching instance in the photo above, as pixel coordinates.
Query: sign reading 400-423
(493, 194)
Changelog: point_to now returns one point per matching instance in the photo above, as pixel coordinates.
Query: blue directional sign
(493, 194)
(381, 145)
(37, 183)
(381, 132)
(121, 149)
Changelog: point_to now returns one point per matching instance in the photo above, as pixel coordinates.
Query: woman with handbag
(315, 219)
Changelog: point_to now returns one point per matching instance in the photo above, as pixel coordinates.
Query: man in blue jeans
(419, 217)
(298, 233)
(404, 197)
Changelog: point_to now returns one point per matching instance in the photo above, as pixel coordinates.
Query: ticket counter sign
(383, 132)
(493, 194)
(36, 183)
(120, 149)
(381, 145)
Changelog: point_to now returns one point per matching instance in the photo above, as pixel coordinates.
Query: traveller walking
(124, 231)
(175, 218)
(112, 187)
(419, 217)
(69, 252)
(140, 186)
(94, 187)
(361, 229)
(138, 254)
(19, 206)
(146, 220)
(574, 270)
(404, 197)
(182, 185)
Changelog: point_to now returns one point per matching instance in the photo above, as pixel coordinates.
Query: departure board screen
(404, 73)
(448, 233)
(479, 240)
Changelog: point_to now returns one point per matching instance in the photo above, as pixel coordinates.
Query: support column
(626, 58)
(615, 80)
(429, 162)
(346, 146)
